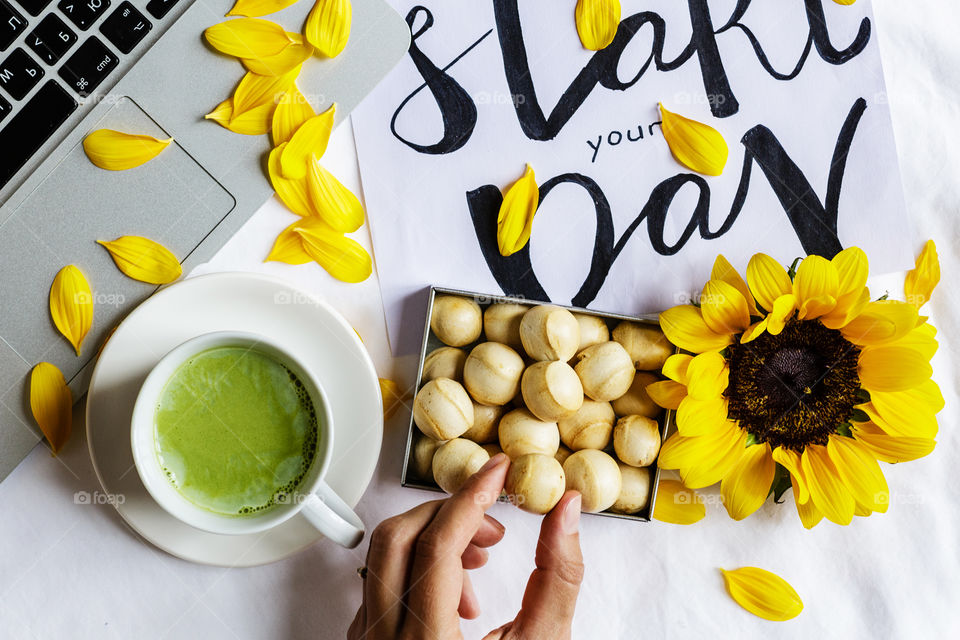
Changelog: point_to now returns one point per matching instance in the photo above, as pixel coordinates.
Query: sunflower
(796, 378)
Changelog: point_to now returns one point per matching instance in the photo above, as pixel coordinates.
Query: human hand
(416, 583)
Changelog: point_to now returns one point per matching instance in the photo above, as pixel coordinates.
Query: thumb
(551, 595)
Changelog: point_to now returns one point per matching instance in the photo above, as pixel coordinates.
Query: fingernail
(492, 462)
(570, 522)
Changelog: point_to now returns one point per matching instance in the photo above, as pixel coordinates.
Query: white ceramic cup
(318, 503)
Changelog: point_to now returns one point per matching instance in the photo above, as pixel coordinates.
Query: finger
(436, 578)
(490, 532)
(551, 594)
(474, 557)
(469, 608)
(500, 632)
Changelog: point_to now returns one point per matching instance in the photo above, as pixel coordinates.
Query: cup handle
(327, 511)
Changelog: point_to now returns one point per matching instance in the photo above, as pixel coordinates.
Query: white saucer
(303, 325)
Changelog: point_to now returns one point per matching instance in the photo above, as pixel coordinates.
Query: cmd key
(19, 73)
(88, 66)
(125, 27)
(83, 13)
(12, 24)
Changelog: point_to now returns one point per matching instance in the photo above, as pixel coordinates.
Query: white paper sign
(795, 87)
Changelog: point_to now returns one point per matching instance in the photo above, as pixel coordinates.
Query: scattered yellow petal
(677, 505)
(143, 259)
(51, 403)
(391, 395)
(254, 122)
(763, 593)
(71, 305)
(292, 193)
(256, 8)
(255, 90)
(310, 139)
(279, 63)
(332, 202)
(342, 257)
(248, 38)
(288, 247)
(515, 219)
(695, 145)
(923, 279)
(845, 2)
(597, 22)
(292, 111)
(328, 26)
(117, 151)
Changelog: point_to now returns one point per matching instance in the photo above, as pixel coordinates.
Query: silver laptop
(68, 67)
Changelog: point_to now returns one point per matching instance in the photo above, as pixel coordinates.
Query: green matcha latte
(236, 430)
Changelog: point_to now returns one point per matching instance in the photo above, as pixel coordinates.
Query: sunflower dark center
(794, 388)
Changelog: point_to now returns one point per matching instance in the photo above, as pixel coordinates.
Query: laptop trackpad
(171, 199)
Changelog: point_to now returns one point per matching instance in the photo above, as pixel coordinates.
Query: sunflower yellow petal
(247, 38)
(921, 338)
(915, 422)
(253, 122)
(667, 393)
(310, 139)
(707, 376)
(597, 22)
(695, 145)
(391, 397)
(889, 448)
(675, 367)
(848, 307)
(257, 8)
(718, 453)
(860, 473)
(684, 326)
(701, 417)
(816, 287)
(790, 460)
(925, 397)
(827, 491)
(881, 322)
(255, 90)
(923, 279)
(724, 308)
(293, 193)
(762, 593)
(328, 26)
(51, 404)
(118, 151)
(723, 270)
(677, 505)
(745, 488)
(892, 368)
(279, 63)
(143, 259)
(332, 202)
(782, 311)
(810, 516)
(767, 279)
(292, 111)
(342, 257)
(288, 247)
(852, 270)
(71, 305)
(755, 331)
(515, 218)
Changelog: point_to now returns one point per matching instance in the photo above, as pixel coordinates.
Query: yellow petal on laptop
(288, 247)
(143, 259)
(254, 122)
(248, 38)
(515, 220)
(292, 111)
(117, 151)
(279, 63)
(255, 90)
(293, 193)
(310, 139)
(257, 8)
(695, 145)
(51, 404)
(597, 22)
(390, 395)
(763, 593)
(332, 202)
(71, 305)
(342, 257)
(328, 26)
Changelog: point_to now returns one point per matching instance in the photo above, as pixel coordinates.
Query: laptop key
(51, 39)
(5, 108)
(31, 126)
(19, 73)
(160, 8)
(83, 13)
(33, 7)
(125, 27)
(12, 23)
(88, 66)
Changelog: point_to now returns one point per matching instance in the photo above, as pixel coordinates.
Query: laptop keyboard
(53, 56)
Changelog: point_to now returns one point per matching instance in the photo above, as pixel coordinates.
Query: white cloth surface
(74, 570)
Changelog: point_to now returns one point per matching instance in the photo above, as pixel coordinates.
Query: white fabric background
(69, 570)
